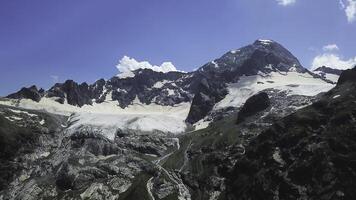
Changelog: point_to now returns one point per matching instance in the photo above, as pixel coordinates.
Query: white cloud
(286, 2)
(331, 47)
(351, 10)
(127, 65)
(349, 6)
(334, 61)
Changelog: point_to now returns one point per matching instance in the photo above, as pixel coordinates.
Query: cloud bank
(127, 65)
(334, 61)
(331, 59)
(286, 2)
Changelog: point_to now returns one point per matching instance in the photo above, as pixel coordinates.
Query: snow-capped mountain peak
(264, 41)
(142, 88)
(261, 56)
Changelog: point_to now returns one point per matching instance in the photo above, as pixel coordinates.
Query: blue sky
(43, 41)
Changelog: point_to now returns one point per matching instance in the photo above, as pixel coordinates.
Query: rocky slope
(288, 150)
(52, 164)
(253, 105)
(21, 133)
(207, 156)
(307, 155)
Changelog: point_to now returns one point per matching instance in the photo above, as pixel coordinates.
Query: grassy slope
(218, 135)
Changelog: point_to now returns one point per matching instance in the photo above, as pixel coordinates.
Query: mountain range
(252, 124)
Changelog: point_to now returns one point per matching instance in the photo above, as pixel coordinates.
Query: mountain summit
(262, 56)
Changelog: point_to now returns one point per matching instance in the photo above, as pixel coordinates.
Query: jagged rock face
(253, 105)
(307, 155)
(148, 86)
(208, 93)
(151, 87)
(72, 92)
(28, 93)
(347, 76)
(96, 90)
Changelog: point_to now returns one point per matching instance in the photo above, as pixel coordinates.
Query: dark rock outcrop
(208, 93)
(28, 93)
(72, 92)
(347, 76)
(253, 105)
(328, 70)
(150, 87)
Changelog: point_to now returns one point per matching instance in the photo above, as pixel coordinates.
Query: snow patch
(44, 154)
(108, 96)
(121, 90)
(151, 155)
(277, 156)
(170, 92)
(215, 64)
(14, 118)
(269, 66)
(265, 42)
(336, 96)
(160, 84)
(214, 195)
(42, 122)
(293, 82)
(293, 69)
(22, 112)
(201, 124)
